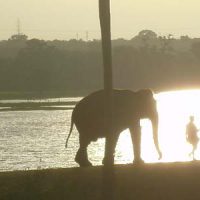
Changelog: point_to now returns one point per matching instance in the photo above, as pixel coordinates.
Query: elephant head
(148, 109)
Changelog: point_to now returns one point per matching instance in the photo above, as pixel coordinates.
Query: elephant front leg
(136, 141)
(110, 145)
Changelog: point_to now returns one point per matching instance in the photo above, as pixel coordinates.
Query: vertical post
(87, 36)
(18, 27)
(104, 16)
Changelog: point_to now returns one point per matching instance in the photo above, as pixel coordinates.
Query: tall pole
(18, 27)
(87, 36)
(104, 15)
(108, 173)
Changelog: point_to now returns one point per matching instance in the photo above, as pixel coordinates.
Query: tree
(195, 49)
(165, 43)
(184, 37)
(19, 37)
(147, 35)
(145, 38)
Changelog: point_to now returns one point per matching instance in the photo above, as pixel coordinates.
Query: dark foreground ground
(150, 181)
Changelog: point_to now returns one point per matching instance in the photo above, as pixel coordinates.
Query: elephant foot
(83, 162)
(82, 158)
(108, 162)
(138, 162)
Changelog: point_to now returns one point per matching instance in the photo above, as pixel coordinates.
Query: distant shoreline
(36, 95)
(42, 95)
(28, 106)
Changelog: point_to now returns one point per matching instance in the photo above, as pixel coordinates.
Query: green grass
(171, 181)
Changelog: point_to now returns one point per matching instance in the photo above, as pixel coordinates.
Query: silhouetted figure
(191, 135)
(128, 108)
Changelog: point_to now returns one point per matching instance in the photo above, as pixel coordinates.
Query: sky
(69, 19)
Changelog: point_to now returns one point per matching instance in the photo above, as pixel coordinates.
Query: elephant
(128, 108)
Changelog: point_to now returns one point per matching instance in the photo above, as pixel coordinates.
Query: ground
(160, 181)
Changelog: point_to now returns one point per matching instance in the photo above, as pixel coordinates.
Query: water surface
(36, 139)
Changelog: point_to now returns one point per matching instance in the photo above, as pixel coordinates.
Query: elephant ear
(146, 102)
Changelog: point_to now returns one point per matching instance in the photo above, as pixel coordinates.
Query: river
(36, 139)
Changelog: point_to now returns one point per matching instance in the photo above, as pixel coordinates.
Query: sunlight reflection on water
(36, 139)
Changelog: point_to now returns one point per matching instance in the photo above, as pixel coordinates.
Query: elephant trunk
(155, 121)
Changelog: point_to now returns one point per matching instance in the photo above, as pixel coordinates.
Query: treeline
(147, 60)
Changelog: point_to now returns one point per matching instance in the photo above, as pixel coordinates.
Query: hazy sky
(65, 19)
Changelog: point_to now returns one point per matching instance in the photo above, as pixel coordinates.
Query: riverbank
(166, 181)
(31, 95)
(34, 101)
(25, 106)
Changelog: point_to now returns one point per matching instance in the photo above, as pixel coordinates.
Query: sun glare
(174, 110)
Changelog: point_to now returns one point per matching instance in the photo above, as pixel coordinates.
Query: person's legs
(194, 149)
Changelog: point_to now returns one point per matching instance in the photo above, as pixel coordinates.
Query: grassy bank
(173, 181)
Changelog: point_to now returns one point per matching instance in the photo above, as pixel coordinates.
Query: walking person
(191, 135)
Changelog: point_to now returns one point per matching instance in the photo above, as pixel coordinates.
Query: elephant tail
(71, 128)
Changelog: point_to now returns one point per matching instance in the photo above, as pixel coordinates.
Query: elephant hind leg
(110, 145)
(81, 155)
